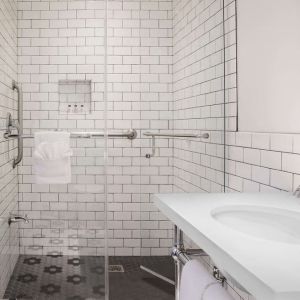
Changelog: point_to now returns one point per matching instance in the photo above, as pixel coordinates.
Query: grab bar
(174, 135)
(130, 134)
(153, 135)
(19, 126)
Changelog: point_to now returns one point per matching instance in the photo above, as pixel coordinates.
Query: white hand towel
(52, 157)
(198, 284)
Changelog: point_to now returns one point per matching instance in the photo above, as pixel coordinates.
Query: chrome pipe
(153, 135)
(174, 135)
(130, 134)
(178, 248)
(19, 126)
(181, 257)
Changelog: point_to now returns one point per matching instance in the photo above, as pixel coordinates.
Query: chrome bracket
(149, 155)
(218, 276)
(10, 125)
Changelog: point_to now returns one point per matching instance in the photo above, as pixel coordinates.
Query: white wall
(140, 97)
(198, 95)
(199, 98)
(65, 40)
(269, 65)
(62, 40)
(257, 161)
(8, 176)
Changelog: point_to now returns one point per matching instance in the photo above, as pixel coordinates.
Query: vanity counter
(268, 268)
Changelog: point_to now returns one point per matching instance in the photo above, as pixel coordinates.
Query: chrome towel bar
(153, 135)
(174, 135)
(13, 125)
(181, 256)
(130, 134)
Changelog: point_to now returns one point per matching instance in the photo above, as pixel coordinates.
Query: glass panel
(61, 72)
(8, 176)
(124, 155)
(166, 75)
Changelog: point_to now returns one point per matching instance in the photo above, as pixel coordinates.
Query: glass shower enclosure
(140, 86)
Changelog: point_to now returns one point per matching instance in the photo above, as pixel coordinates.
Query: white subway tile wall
(165, 72)
(61, 40)
(140, 97)
(198, 85)
(199, 95)
(8, 176)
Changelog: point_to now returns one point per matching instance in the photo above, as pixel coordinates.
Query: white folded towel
(198, 284)
(52, 157)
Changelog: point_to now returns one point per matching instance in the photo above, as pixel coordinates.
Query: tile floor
(57, 277)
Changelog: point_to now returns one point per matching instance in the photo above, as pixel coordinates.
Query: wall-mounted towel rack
(153, 135)
(181, 256)
(130, 134)
(175, 135)
(12, 125)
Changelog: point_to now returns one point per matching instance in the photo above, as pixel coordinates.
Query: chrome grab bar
(19, 126)
(12, 124)
(153, 135)
(130, 134)
(174, 135)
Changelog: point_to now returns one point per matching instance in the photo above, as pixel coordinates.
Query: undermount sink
(246, 235)
(263, 222)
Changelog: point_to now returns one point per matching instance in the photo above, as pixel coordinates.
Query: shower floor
(58, 277)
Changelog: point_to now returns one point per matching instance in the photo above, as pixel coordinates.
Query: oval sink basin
(262, 222)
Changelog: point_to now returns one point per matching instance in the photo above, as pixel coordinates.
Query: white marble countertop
(268, 269)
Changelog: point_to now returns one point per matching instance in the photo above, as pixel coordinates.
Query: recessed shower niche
(74, 96)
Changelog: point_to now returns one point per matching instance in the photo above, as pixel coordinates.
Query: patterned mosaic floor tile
(57, 277)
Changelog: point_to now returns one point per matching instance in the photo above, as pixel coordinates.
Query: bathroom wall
(60, 40)
(255, 162)
(198, 95)
(140, 97)
(65, 40)
(8, 175)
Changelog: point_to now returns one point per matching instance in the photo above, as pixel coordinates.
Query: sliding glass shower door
(61, 47)
(101, 70)
(165, 76)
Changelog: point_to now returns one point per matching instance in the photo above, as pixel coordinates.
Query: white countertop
(269, 270)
